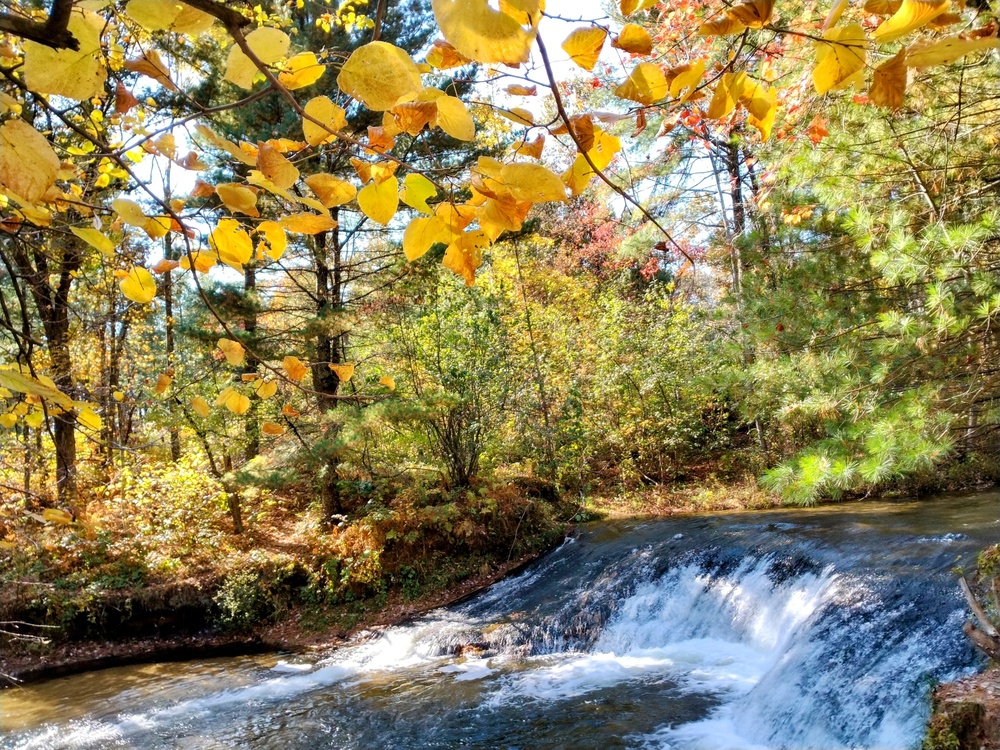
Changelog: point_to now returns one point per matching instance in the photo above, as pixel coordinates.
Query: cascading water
(807, 629)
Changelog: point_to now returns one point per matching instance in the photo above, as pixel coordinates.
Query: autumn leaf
(378, 75)
(277, 240)
(201, 407)
(532, 182)
(454, 118)
(307, 223)
(840, 61)
(302, 70)
(344, 371)
(331, 191)
(685, 83)
(272, 428)
(234, 351)
(269, 44)
(584, 46)
(423, 233)
(276, 167)
(416, 191)
(163, 381)
(443, 56)
(889, 82)
(28, 165)
(289, 411)
(150, 64)
(200, 261)
(331, 116)
(727, 94)
(294, 368)
(465, 254)
(480, 33)
(633, 38)
(912, 15)
(817, 130)
(138, 285)
(232, 243)
(265, 388)
(76, 74)
(233, 400)
(164, 265)
(947, 50)
(388, 382)
(379, 201)
(238, 198)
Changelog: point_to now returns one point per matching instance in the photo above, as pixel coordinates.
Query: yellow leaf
(265, 388)
(520, 115)
(635, 39)
(757, 98)
(646, 84)
(234, 351)
(332, 117)
(302, 70)
(77, 74)
(833, 16)
(882, 7)
(277, 240)
(118, 396)
(912, 15)
(89, 419)
(727, 93)
(289, 411)
(387, 382)
(417, 189)
(223, 395)
(307, 223)
(516, 89)
(841, 61)
(164, 265)
(533, 182)
(444, 57)
(344, 372)
(764, 103)
(409, 118)
(35, 419)
(203, 262)
(8, 420)
(130, 212)
(533, 148)
(480, 33)
(754, 14)
(584, 46)
(229, 147)
(497, 216)
(138, 286)
(169, 15)
(201, 407)
(379, 201)
(946, 50)
(331, 191)
(378, 75)
(237, 403)
(55, 515)
(232, 243)
(422, 233)
(294, 368)
(454, 118)
(150, 64)
(238, 198)
(465, 254)
(272, 428)
(724, 25)
(163, 381)
(28, 165)
(275, 167)
(42, 387)
(93, 238)
(267, 43)
(686, 82)
(628, 7)
(889, 82)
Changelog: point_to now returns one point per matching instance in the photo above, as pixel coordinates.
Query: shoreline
(288, 636)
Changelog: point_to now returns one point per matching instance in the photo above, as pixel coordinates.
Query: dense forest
(322, 308)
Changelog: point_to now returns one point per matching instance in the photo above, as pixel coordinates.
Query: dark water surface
(819, 628)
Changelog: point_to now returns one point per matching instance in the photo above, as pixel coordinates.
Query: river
(811, 628)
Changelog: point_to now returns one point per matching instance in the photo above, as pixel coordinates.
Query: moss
(955, 726)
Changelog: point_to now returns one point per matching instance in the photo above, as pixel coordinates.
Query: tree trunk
(250, 365)
(168, 311)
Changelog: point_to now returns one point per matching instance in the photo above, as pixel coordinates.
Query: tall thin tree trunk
(250, 364)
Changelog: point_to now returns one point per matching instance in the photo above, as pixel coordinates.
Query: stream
(807, 628)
